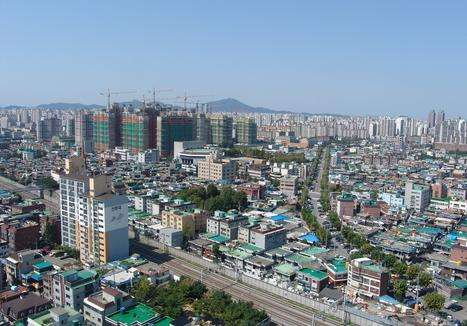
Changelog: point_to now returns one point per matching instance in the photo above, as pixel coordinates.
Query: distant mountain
(224, 105)
(72, 106)
(233, 105)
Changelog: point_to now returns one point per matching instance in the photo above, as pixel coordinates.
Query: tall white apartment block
(93, 219)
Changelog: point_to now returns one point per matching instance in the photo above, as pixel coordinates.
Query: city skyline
(362, 58)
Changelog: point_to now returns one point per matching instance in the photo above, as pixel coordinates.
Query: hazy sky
(361, 57)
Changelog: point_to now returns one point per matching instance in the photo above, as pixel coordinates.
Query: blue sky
(354, 57)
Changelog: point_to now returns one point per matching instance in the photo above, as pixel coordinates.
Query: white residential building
(93, 219)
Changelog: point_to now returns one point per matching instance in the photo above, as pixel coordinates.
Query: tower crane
(108, 94)
(186, 97)
(155, 92)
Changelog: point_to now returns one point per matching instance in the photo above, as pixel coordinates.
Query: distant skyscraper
(84, 131)
(70, 127)
(93, 219)
(431, 119)
(221, 130)
(48, 128)
(440, 117)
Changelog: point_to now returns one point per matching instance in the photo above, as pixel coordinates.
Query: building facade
(93, 219)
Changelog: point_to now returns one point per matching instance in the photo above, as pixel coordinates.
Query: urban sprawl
(156, 215)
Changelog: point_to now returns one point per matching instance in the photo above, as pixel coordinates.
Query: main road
(282, 311)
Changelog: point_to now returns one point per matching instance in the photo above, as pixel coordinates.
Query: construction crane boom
(109, 93)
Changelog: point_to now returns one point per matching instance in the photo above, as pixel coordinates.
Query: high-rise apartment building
(221, 130)
(107, 128)
(246, 131)
(93, 219)
(48, 128)
(202, 128)
(139, 130)
(440, 117)
(84, 131)
(172, 128)
(431, 119)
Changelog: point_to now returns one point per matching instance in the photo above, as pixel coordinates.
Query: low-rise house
(24, 306)
(258, 266)
(189, 222)
(171, 237)
(138, 314)
(289, 186)
(157, 274)
(226, 223)
(366, 278)
(345, 205)
(100, 304)
(70, 288)
(337, 272)
(21, 262)
(268, 236)
(57, 316)
(312, 280)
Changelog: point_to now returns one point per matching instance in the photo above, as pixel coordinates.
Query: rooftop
(285, 269)
(313, 251)
(139, 313)
(313, 273)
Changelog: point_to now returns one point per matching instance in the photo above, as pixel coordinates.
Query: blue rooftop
(279, 218)
(310, 238)
(387, 299)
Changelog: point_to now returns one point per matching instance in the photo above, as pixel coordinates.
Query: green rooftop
(374, 268)
(312, 251)
(346, 197)
(461, 284)
(139, 314)
(219, 238)
(299, 259)
(42, 265)
(250, 248)
(285, 269)
(338, 266)
(313, 273)
(239, 254)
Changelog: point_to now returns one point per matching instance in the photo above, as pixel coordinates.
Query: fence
(353, 315)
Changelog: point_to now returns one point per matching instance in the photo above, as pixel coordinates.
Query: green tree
(433, 301)
(304, 196)
(399, 268)
(412, 272)
(50, 235)
(400, 288)
(212, 191)
(48, 183)
(425, 279)
(143, 291)
(389, 260)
